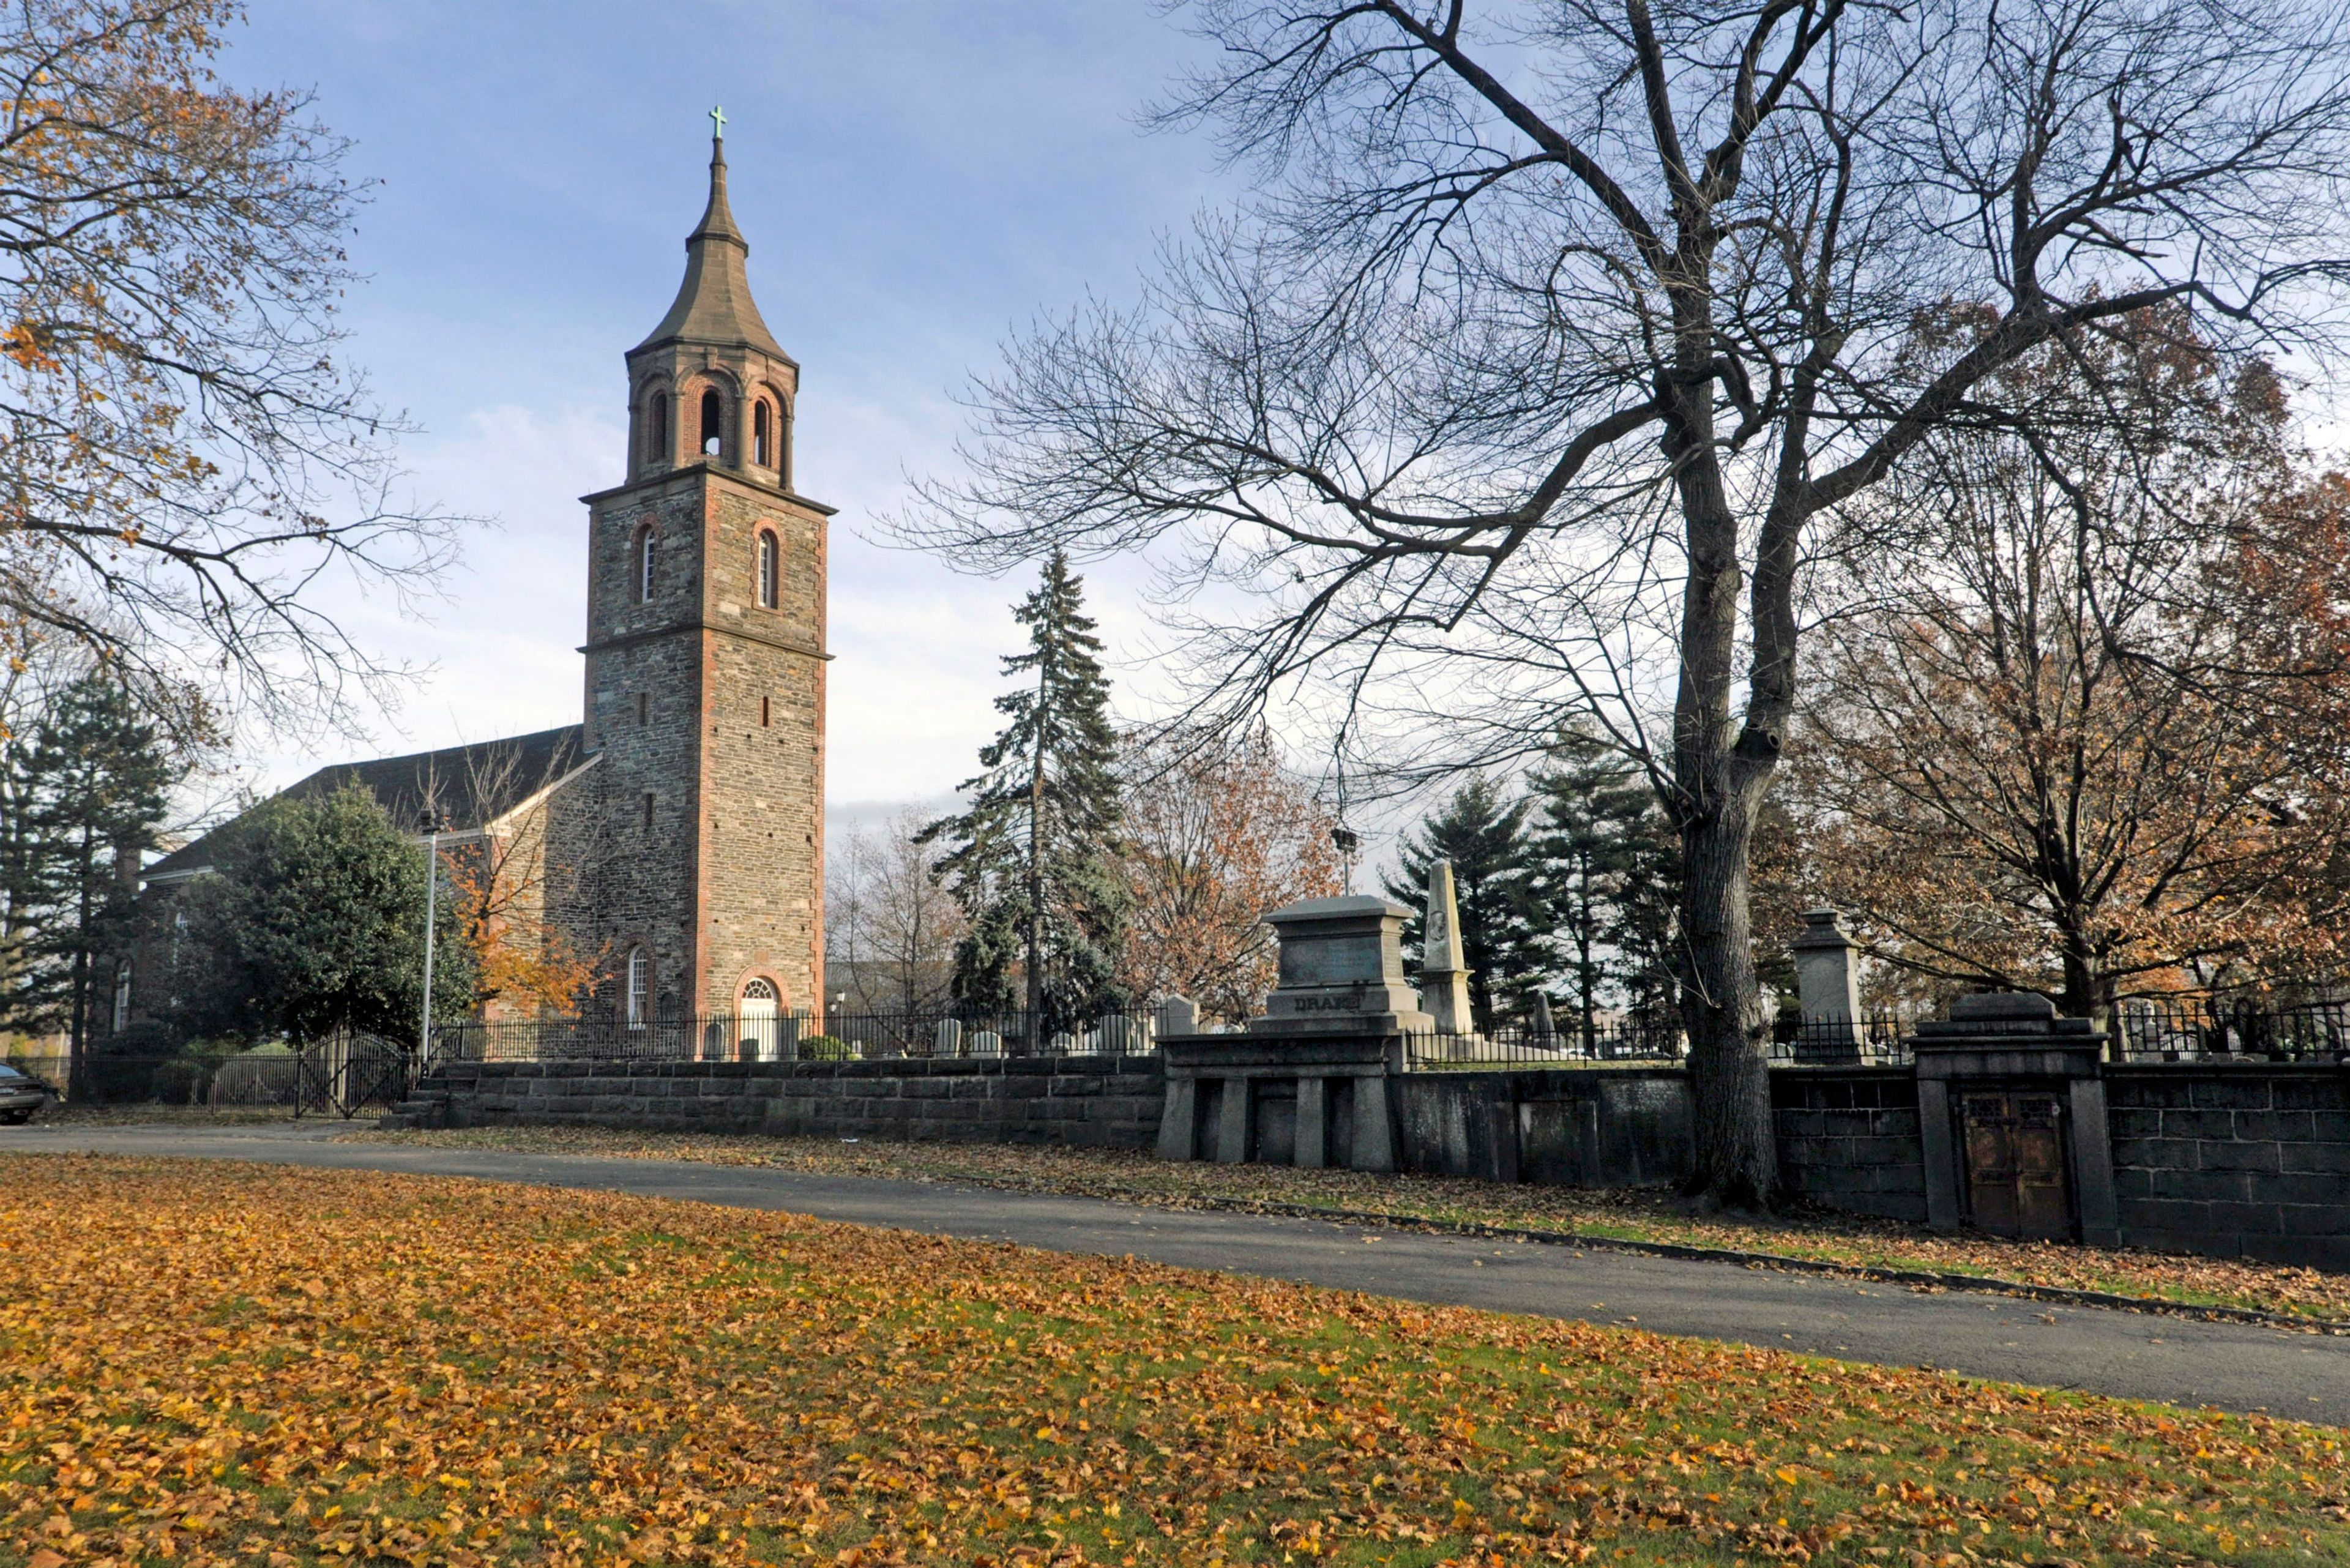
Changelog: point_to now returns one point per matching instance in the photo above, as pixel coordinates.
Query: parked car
(21, 1094)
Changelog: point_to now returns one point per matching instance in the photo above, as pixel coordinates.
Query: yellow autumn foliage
(218, 1364)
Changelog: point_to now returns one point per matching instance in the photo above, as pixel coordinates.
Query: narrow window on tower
(770, 571)
(644, 709)
(639, 982)
(763, 450)
(657, 428)
(763, 713)
(646, 548)
(713, 424)
(648, 811)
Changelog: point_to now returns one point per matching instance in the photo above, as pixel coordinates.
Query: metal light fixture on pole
(1347, 841)
(432, 824)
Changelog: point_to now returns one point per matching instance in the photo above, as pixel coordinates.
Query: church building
(678, 829)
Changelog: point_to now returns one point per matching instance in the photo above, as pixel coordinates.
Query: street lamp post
(432, 822)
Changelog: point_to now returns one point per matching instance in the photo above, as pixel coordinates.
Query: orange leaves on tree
(1218, 832)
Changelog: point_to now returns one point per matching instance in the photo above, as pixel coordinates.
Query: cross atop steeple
(717, 123)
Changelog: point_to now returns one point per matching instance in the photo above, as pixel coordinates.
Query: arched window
(763, 442)
(771, 571)
(640, 979)
(648, 549)
(657, 428)
(713, 424)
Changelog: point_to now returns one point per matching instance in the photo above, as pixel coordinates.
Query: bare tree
(890, 929)
(1559, 333)
(1218, 831)
(184, 461)
(2069, 750)
(510, 887)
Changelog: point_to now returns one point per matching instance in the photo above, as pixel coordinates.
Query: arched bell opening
(713, 424)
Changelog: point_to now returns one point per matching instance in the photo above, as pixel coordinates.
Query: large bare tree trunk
(1736, 1156)
(1722, 769)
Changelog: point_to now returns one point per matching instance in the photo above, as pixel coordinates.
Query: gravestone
(1443, 966)
(1176, 1015)
(1306, 1083)
(1827, 988)
(1341, 970)
(947, 1039)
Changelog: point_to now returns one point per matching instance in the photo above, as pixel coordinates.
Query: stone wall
(2233, 1158)
(1600, 1126)
(1849, 1138)
(2224, 1159)
(1087, 1102)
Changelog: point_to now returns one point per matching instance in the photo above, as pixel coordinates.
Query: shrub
(826, 1048)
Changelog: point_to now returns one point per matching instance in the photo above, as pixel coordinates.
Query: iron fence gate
(347, 1073)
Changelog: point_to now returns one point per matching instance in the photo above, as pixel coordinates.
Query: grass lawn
(1644, 1215)
(225, 1363)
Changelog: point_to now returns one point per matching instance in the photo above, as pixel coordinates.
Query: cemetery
(2004, 1117)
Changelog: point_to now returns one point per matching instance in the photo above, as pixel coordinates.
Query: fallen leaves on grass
(213, 1363)
(1628, 1214)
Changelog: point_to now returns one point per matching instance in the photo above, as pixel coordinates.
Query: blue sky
(916, 177)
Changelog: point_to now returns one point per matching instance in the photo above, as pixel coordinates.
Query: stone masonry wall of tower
(763, 758)
(701, 838)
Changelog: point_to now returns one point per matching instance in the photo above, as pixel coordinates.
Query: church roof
(473, 786)
(713, 305)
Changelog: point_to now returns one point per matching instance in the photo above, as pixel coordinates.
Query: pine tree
(1485, 837)
(1604, 878)
(1034, 861)
(93, 791)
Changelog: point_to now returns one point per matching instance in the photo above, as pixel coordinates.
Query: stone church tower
(700, 844)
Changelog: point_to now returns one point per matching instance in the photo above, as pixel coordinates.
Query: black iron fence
(836, 1037)
(182, 1080)
(346, 1075)
(2222, 1028)
(1879, 1041)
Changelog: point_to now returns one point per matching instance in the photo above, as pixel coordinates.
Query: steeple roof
(714, 304)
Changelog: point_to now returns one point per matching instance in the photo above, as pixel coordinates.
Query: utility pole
(432, 824)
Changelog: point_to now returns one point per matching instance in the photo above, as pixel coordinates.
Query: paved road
(2235, 1366)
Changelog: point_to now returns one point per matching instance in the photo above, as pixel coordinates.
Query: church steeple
(714, 304)
(711, 385)
(705, 673)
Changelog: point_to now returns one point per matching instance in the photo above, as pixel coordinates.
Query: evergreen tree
(1034, 861)
(315, 922)
(1604, 878)
(88, 794)
(1484, 836)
